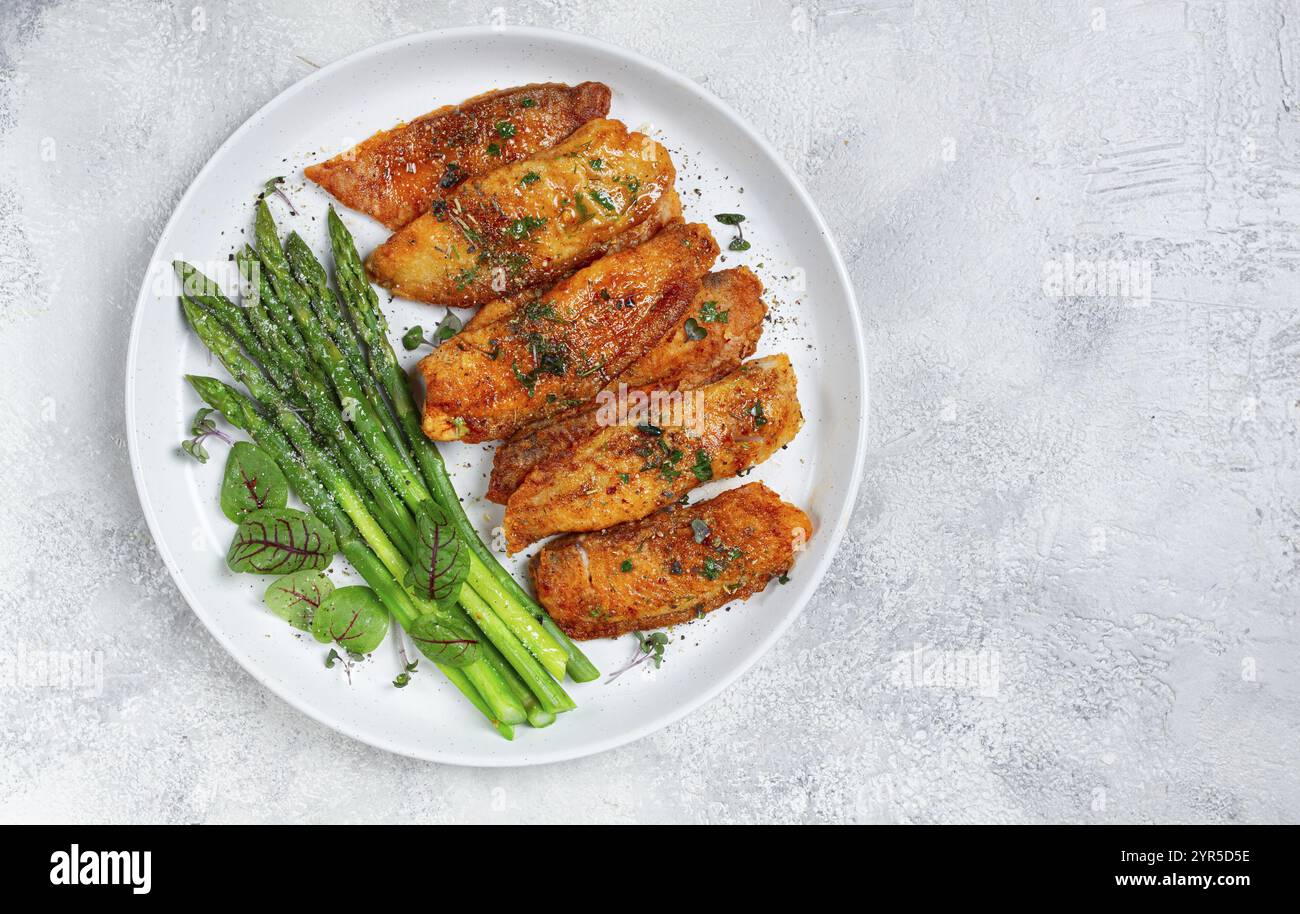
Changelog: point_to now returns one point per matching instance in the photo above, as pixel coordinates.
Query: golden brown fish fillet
(397, 174)
(624, 472)
(661, 571)
(730, 311)
(529, 223)
(499, 308)
(558, 351)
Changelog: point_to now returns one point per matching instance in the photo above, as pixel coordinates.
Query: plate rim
(536, 755)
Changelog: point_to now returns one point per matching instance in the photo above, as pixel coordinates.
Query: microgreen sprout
(649, 647)
(734, 219)
(273, 187)
(201, 428)
(448, 327)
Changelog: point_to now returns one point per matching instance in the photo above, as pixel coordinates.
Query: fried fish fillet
(626, 471)
(728, 309)
(558, 351)
(529, 223)
(670, 567)
(397, 174)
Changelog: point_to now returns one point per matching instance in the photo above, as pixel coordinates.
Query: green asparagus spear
(325, 498)
(371, 324)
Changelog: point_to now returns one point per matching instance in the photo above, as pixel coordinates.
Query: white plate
(814, 319)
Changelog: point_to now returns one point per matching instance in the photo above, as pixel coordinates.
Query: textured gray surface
(1091, 497)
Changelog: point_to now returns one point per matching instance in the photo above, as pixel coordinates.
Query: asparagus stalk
(294, 299)
(372, 326)
(538, 658)
(367, 417)
(324, 414)
(494, 695)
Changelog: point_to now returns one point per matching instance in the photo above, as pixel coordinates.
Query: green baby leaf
(441, 559)
(296, 597)
(252, 482)
(280, 541)
(413, 338)
(445, 640)
(353, 618)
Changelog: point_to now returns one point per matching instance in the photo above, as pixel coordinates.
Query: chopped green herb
(493, 149)
(710, 314)
(699, 530)
(652, 430)
(693, 330)
(505, 129)
(531, 178)
(626, 566)
(757, 412)
(602, 199)
(783, 579)
(597, 164)
(738, 244)
(528, 102)
(712, 568)
(522, 228)
(703, 468)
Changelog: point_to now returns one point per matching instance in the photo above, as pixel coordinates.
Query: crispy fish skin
(397, 174)
(653, 573)
(559, 350)
(729, 307)
(624, 472)
(529, 223)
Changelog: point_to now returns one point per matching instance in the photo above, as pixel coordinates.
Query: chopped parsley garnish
(522, 228)
(493, 149)
(465, 278)
(699, 530)
(652, 430)
(597, 164)
(531, 178)
(703, 468)
(540, 310)
(693, 330)
(528, 102)
(626, 566)
(757, 412)
(602, 199)
(505, 129)
(710, 314)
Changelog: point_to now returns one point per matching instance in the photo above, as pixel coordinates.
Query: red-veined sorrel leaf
(445, 640)
(252, 482)
(280, 541)
(442, 559)
(353, 618)
(296, 597)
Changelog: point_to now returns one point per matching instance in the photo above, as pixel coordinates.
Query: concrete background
(1092, 490)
